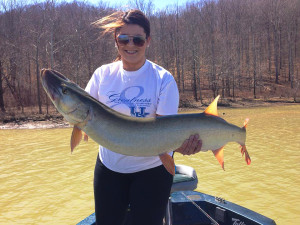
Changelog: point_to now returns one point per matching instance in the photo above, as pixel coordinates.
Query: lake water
(43, 183)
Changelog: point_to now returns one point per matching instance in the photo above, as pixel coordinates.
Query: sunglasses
(124, 39)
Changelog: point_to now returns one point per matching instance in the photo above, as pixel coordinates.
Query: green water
(42, 183)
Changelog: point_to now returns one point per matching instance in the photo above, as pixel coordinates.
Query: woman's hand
(190, 146)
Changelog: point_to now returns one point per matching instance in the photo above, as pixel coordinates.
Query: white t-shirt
(146, 92)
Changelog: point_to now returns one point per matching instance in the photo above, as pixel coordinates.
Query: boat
(189, 207)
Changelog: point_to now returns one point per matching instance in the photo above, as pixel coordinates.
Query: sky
(119, 4)
(159, 4)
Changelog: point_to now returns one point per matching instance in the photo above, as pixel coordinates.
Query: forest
(235, 48)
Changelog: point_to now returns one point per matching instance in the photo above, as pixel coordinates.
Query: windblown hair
(115, 21)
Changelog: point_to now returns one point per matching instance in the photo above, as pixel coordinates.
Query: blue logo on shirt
(136, 104)
(141, 113)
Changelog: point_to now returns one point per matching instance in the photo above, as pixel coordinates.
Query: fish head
(67, 97)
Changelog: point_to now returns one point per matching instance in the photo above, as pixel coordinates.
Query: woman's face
(132, 55)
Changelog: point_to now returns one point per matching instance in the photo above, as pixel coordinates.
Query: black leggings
(146, 192)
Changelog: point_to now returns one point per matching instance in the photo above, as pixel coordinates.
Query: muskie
(139, 136)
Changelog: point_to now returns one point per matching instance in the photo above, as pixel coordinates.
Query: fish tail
(247, 156)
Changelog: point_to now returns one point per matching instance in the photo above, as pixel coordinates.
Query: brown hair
(114, 22)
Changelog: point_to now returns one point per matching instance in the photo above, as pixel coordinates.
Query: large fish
(139, 136)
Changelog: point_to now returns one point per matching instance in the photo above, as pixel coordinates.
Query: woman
(138, 87)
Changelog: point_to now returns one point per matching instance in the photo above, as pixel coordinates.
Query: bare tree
(1, 90)
(209, 46)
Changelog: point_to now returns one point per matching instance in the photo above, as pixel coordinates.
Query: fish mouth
(52, 82)
(48, 72)
(76, 120)
(60, 75)
(72, 111)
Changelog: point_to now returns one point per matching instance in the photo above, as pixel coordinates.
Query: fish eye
(64, 90)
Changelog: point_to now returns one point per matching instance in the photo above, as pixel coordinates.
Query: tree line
(235, 48)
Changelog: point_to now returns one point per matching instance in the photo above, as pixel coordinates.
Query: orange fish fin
(247, 156)
(168, 163)
(246, 123)
(219, 154)
(85, 137)
(76, 137)
(212, 109)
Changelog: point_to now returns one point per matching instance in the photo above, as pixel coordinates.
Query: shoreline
(55, 120)
(33, 125)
